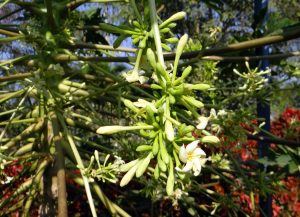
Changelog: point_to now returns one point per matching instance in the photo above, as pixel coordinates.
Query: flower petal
(188, 166)
(182, 154)
(202, 123)
(203, 161)
(192, 146)
(196, 166)
(198, 152)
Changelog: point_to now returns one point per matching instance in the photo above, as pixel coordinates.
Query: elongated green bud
(210, 140)
(144, 148)
(172, 99)
(130, 105)
(114, 29)
(163, 150)
(161, 163)
(119, 40)
(183, 129)
(180, 46)
(128, 166)
(143, 42)
(169, 131)
(136, 40)
(110, 129)
(150, 114)
(143, 165)
(155, 146)
(171, 179)
(166, 47)
(192, 101)
(175, 155)
(173, 40)
(172, 25)
(173, 18)
(156, 87)
(164, 30)
(128, 176)
(49, 38)
(162, 71)
(179, 90)
(196, 86)
(156, 172)
(185, 73)
(136, 24)
(116, 129)
(151, 57)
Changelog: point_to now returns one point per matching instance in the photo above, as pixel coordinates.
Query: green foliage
(173, 128)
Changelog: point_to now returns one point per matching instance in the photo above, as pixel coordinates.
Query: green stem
(138, 60)
(79, 163)
(50, 16)
(13, 115)
(156, 33)
(60, 167)
(136, 11)
(34, 186)
(120, 80)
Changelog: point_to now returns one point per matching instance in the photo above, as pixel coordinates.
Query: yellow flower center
(189, 156)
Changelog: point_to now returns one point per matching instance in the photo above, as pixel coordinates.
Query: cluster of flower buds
(159, 120)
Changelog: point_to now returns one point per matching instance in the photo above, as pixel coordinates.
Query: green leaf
(283, 160)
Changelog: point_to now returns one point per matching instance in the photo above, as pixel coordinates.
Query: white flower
(141, 103)
(193, 156)
(222, 113)
(203, 121)
(8, 180)
(133, 76)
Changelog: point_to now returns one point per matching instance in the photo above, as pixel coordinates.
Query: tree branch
(274, 140)
(60, 167)
(50, 17)
(99, 46)
(14, 77)
(8, 33)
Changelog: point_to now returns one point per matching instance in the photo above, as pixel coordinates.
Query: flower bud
(192, 101)
(156, 172)
(161, 163)
(110, 129)
(128, 176)
(172, 40)
(170, 181)
(155, 146)
(163, 151)
(174, 17)
(210, 139)
(143, 148)
(169, 130)
(143, 165)
(128, 166)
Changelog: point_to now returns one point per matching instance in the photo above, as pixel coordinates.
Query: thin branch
(254, 43)
(274, 140)
(11, 13)
(99, 46)
(8, 33)
(249, 58)
(14, 77)
(288, 35)
(50, 16)
(76, 3)
(293, 33)
(30, 6)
